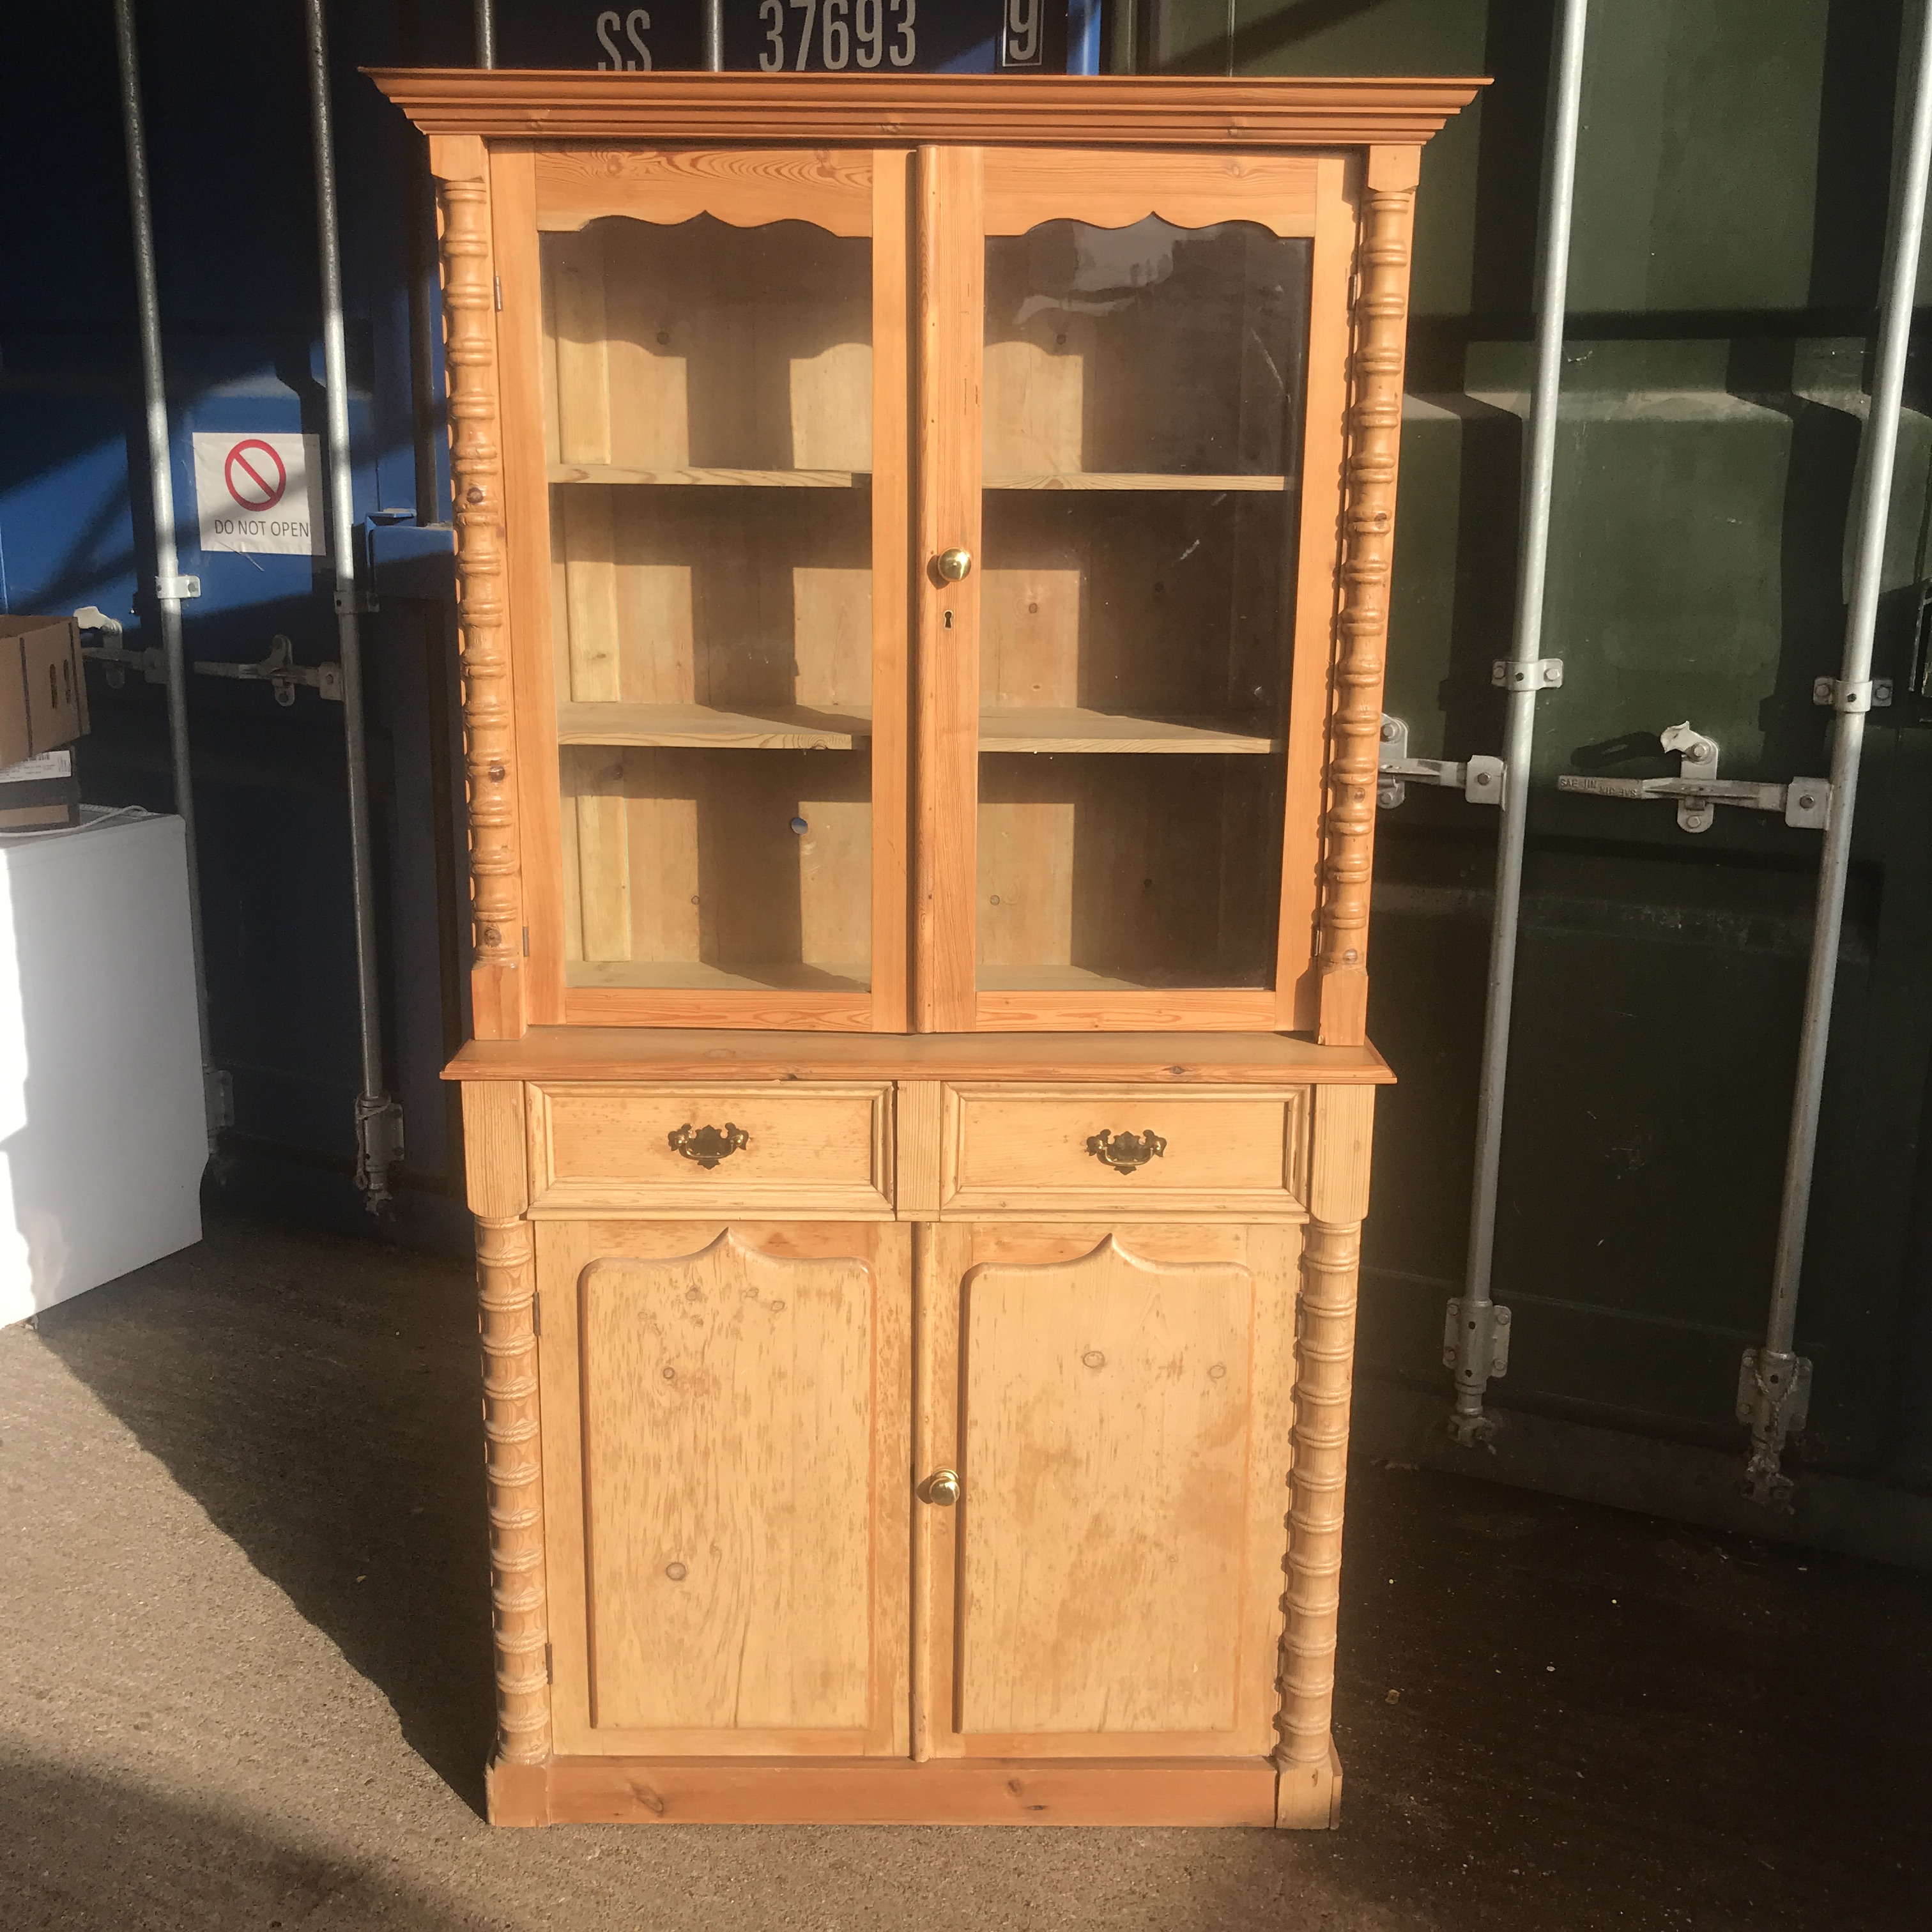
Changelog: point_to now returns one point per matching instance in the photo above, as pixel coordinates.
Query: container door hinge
(378, 1148)
(1774, 1401)
(1479, 780)
(1699, 791)
(280, 673)
(1475, 1345)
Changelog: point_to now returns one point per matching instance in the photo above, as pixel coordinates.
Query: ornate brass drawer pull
(708, 1146)
(1124, 1153)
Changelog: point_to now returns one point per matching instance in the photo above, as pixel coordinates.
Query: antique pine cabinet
(924, 550)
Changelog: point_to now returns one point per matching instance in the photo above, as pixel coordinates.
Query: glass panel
(1142, 406)
(708, 396)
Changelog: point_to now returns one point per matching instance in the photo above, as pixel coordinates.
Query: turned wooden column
(476, 467)
(492, 1127)
(1368, 548)
(1308, 1791)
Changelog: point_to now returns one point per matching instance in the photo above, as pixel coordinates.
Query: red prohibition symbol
(256, 475)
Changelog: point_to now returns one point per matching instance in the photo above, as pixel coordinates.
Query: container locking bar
(1479, 780)
(1699, 791)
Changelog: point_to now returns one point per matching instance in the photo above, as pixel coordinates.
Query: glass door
(1144, 339)
(722, 452)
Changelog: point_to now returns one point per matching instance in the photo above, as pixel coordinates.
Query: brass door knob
(955, 565)
(942, 1487)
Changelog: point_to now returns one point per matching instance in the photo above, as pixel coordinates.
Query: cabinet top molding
(1135, 111)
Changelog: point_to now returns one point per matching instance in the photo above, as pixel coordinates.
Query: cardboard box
(43, 692)
(40, 794)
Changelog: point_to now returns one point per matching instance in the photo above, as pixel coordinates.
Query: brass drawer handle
(1125, 1152)
(708, 1146)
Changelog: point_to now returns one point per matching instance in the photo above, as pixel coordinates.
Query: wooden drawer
(1166, 1151)
(823, 1152)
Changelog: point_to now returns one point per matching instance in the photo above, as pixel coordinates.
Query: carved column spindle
(506, 1274)
(1375, 431)
(469, 307)
(1325, 1351)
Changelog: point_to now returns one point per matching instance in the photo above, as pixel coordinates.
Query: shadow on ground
(81, 1851)
(1551, 1717)
(319, 1397)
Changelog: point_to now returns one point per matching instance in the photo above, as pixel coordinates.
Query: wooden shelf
(1123, 479)
(783, 728)
(742, 479)
(691, 975)
(1074, 728)
(1057, 978)
(778, 727)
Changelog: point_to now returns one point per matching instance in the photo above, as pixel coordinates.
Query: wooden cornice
(1138, 111)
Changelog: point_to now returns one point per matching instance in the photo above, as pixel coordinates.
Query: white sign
(259, 492)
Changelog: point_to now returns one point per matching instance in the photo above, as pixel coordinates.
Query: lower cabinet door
(1115, 1404)
(725, 1445)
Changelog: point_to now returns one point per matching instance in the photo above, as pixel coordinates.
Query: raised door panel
(1115, 1405)
(724, 1415)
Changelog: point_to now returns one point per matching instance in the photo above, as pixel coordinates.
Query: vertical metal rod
(714, 36)
(167, 585)
(1468, 1423)
(1083, 36)
(1776, 1366)
(378, 1120)
(486, 33)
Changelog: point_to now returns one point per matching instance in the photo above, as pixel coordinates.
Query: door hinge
(526, 942)
(536, 1313)
(549, 1675)
(499, 281)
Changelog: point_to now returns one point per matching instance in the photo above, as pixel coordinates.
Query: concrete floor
(245, 1680)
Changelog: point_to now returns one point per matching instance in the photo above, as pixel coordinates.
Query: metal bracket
(1479, 780)
(356, 603)
(1536, 674)
(117, 658)
(1774, 1401)
(1475, 1345)
(1874, 695)
(178, 588)
(1699, 791)
(280, 671)
(379, 1147)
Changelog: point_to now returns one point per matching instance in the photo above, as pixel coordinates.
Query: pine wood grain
(1075, 728)
(1106, 111)
(946, 668)
(1025, 187)
(747, 187)
(1182, 1056)
(1234, 1791)
(1011, 1150)
(792, 727)
(821, 1152)
(1318, 552)
(1166, 482)
(791, 1371)
(714, 479)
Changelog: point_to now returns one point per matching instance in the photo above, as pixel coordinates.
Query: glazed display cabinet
(924, 549)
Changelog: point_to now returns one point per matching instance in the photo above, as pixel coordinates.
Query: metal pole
(169, 584)
(1775, 1390)
(1482, 1328)
(379, 1122)
(486, 33)
(714, 36)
